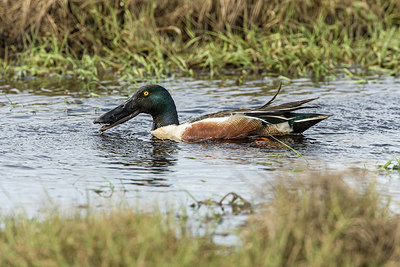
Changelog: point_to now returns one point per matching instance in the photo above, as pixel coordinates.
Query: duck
(264, 121)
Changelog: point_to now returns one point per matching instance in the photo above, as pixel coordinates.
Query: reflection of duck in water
(150, 160)
(150, 155)
(232, 124)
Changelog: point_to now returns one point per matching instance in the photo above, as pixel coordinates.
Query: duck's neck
(168, 117)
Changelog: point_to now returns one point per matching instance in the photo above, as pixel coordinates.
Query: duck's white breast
(173, 132)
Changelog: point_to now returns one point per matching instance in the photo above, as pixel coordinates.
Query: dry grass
(118, 238)
(92, 24)
(322, 221)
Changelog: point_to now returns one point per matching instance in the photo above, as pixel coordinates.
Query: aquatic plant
(391, 165)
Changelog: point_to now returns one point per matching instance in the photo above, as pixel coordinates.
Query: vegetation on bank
(316, 220)
(136, 39)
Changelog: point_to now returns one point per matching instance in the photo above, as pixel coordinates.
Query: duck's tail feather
(302, 122)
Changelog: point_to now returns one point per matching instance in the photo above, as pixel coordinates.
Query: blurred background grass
(315, 219)
(154, 37)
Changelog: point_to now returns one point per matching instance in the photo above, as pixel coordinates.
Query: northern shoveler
(266, 120)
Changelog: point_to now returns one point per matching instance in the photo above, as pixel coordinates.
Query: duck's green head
(150, 99)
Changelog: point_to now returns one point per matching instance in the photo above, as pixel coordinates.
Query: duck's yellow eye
(146, 93)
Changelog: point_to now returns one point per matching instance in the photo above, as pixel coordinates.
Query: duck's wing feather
(272, 114)
(289, 106)
(273, 98)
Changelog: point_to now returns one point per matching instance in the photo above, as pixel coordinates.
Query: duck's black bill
(118, 115)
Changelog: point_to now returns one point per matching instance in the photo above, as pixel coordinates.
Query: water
(50, 151)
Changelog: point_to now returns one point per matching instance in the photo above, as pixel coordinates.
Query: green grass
(138, 40)
(261, 54)
(119, 238)
(313, 220)
(391, 165)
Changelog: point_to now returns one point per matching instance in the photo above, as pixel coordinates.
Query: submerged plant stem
(286, 145)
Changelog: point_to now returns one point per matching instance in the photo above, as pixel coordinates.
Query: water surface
(52, 152)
